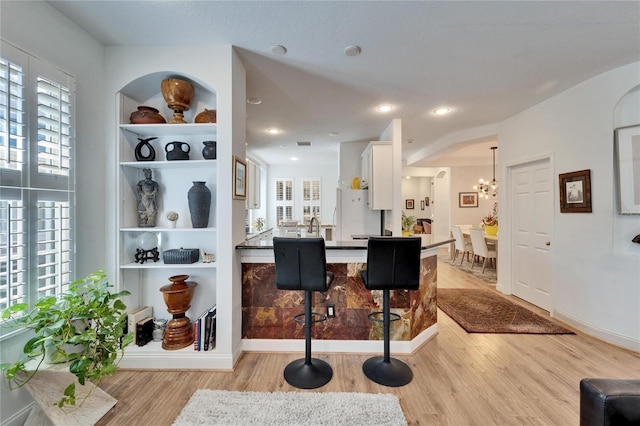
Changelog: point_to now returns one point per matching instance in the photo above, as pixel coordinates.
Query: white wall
(596, 287)
(42, 31)
(462, 180)
(417, 188)
(349, 160)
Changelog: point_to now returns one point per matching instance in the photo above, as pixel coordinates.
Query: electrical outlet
(331, 311)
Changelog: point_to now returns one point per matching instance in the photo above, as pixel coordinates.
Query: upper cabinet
(377, 175)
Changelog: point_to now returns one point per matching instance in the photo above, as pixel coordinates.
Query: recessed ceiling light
(278, 50)
(442, 110)
(274, 131)
(294, 158)
(384, 108)
(352, 50)
(333, 133)
(254, 101)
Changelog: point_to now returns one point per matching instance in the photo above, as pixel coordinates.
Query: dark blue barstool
(301, 265)
(392, 264)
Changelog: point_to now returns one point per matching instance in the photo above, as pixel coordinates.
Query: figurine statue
(147, 204)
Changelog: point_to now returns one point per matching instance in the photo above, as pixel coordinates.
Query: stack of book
(204, 330)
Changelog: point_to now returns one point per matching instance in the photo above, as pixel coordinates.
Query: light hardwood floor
(459, 378)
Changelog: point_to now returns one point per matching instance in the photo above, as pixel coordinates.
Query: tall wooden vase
(178, 296)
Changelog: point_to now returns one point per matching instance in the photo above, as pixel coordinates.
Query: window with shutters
(310, 199)
(37, 186)
(284, 200)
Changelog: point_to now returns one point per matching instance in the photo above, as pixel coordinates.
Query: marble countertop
(428, 241)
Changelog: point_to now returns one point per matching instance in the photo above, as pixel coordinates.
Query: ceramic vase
(491, 230)
(177, 296)
(199, 198)
(144, 146)
(177, 150)
(178, 94)
(209, 152)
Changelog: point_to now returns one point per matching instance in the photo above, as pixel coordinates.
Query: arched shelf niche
(146, 90)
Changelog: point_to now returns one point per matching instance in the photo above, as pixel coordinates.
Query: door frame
(506, 249)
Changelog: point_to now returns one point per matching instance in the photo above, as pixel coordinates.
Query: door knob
(548, 243)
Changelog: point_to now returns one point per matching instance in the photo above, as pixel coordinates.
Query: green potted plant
(407, 223)
(84, 327)
(259, 224)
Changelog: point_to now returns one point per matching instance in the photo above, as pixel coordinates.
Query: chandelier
(486, 188)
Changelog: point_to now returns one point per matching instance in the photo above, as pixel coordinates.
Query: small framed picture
(467, 199)
(575, 192)
(239, 179)
(426, 201)
(408, 204)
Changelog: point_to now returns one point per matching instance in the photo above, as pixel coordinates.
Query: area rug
(484, 311)
(490, 275)
(217, 407)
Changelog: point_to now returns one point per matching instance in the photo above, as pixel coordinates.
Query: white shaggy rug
(216, 407)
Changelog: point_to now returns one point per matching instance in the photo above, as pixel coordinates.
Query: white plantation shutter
(311, 196)
(284, 199)
(37, 187)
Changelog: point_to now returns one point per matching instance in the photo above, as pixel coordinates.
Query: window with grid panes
(36, 178)
(284, 200)
(310, 199)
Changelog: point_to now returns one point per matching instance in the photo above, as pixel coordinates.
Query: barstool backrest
(300, 264)
(393, 263)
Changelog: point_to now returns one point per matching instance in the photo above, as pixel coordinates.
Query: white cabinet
(174, 178)
(253, 185)
(377, 175)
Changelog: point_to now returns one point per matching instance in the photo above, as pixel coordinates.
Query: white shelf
(189, 129)
(168, 230)
(150, 264)
(176, 164)
(153, 356)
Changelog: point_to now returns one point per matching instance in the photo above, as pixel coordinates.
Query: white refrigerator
(353, 216)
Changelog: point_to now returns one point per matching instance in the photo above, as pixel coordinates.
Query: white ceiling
(485, 60)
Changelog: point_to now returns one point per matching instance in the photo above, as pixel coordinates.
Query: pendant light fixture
(486, 188)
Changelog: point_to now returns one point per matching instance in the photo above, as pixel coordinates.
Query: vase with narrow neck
(199, 197)
(177, 296)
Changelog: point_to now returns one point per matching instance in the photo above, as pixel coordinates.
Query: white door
(532, 201)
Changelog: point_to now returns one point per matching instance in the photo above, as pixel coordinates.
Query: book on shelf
(209, 323)
(202, 330)
(135, 316)
(144, 331)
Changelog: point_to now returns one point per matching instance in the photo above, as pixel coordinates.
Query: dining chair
(462, 244)
(481, 249)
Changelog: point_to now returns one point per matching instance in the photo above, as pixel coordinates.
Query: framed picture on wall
(426, 201)
(575, 192)
(408, 204)
(467, 199)
(239, 179)
(627, 153)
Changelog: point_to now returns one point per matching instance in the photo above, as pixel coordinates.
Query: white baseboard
(338, 346)
(599, 333)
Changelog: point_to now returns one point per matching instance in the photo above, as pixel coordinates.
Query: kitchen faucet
(314, 219)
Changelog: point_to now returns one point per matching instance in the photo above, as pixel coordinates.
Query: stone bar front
(267, 313)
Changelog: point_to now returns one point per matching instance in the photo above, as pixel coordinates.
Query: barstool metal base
(392, 373)
(308, 376)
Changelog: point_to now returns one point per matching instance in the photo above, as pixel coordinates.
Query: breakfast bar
(267, 313)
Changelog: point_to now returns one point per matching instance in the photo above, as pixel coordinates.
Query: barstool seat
(301, 264)
(392, 264)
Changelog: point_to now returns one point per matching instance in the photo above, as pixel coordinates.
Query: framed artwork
(408, 204)
(467, 199)
(239, 179)
(421, 204)
(426, 201)
(627, 153)
(575, 192)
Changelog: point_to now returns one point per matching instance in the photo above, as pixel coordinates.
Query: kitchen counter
(267, 313)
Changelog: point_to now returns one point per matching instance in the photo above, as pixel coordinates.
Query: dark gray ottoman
(609, 402)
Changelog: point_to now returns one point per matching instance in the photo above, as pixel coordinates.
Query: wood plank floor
(459, 378)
